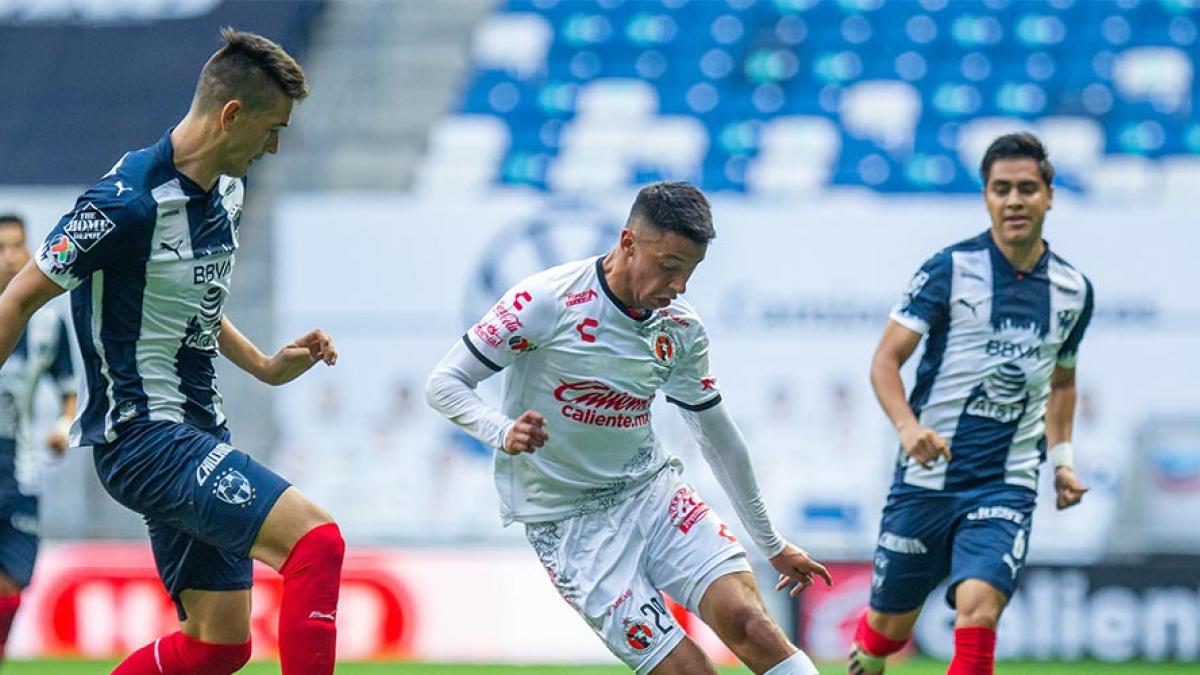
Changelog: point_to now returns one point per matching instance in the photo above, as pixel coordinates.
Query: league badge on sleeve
(61, 252)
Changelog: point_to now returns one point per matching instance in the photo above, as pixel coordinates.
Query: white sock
(796, 664)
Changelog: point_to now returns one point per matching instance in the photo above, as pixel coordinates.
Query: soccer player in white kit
(588, 345)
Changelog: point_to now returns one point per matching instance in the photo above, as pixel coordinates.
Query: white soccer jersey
(591, 366)
(995, 336)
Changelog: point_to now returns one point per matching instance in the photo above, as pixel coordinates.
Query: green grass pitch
(912, 667)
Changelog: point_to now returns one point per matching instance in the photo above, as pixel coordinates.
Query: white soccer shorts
(612, 566)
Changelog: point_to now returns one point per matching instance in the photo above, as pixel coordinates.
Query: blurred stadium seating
(794, 96)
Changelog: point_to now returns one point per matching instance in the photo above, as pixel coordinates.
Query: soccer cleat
(862, 663)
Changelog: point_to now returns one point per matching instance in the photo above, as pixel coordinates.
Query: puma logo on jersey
(173, 249)
(969, 306)
(121, 188)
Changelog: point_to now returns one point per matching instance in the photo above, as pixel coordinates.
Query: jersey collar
(625, 309)
(1000, 262)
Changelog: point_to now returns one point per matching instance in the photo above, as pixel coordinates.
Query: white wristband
(1062, 454)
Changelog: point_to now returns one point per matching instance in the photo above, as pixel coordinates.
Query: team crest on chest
(664, 347)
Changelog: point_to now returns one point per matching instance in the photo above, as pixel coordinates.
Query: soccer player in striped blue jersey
(43, 352)
(1003, 316)
(148, 255)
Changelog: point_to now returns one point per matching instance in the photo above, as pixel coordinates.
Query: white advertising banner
(794, 295)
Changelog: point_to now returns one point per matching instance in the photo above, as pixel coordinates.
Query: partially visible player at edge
(42, 351)
(995, 387)
(148, 253)
(588, 345)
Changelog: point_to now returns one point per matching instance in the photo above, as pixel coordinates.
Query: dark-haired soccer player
(42, 351)
(148, 255)
(589, 344)
(1004, 318)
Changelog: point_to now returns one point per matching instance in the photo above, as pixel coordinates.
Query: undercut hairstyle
(251, 69)
(12, 220)
(674, 207)
(1017, 146)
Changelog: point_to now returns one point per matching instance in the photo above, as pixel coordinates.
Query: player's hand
(527, 435)
(296, 358)
(58, 440)
(795, 567)
(1068, 486)
(923, 444)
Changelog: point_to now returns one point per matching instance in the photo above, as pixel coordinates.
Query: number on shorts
(656, 607)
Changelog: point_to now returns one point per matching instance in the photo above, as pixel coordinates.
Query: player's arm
(923, 307)
(1060, 417)
(60, 433)
(290, 362)
(1060, 410)
(520, 321)
(450, 390)
(895, 347)
(725, 450)
(25, 294)
(61, 372)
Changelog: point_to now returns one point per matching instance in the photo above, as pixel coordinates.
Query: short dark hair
(674, 207)
(12, 219)
(1014, 146)
(249, 68)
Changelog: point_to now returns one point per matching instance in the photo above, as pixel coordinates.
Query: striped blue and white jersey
(994, 337)
(42, 351)
(148, 257)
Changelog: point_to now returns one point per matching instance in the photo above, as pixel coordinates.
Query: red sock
(178, 654)
(873, 642)
(8, 611)
(974, 651)
(311, 580)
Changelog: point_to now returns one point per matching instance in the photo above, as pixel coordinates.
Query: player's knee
(754, 629)
(984, 615)
(321, 548)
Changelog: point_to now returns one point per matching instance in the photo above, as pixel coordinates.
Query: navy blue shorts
(18, 537)
(203, 501)
(927, 536)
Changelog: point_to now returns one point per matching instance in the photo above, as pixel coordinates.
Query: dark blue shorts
(204, 501)
(18, 537)
(927, 536)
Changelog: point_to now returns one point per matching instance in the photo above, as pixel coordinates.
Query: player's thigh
(595, 563)
(978, 603)
(913, 552)
(685, 659)
(220, 617)
(292, 516)
(990, 546)
(18, 544)
(186, 563)
(688, 546)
